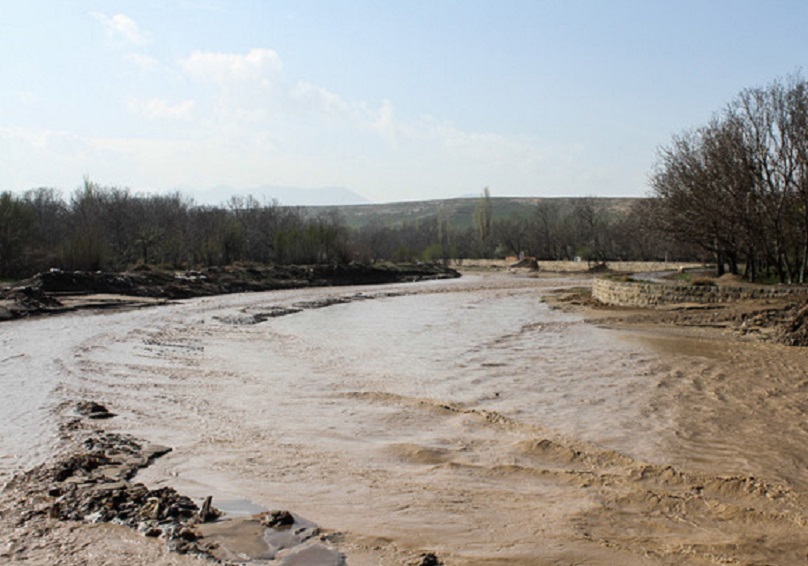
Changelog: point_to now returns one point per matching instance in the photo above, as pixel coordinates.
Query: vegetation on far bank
(733, 193)
(115, 229)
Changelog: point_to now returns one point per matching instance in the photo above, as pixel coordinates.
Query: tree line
(737, 187)
(113, 229)
(584, 228)
(108, 228)
(734, 191)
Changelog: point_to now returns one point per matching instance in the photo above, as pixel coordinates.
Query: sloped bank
(763, 312)
(45, 292)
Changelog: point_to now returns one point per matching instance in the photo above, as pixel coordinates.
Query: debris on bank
(94, 483)
(795, 332)
(47, 292)
(25, 300)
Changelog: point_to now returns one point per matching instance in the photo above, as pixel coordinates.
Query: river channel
(465, 418)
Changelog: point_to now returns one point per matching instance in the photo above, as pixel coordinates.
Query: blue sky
(395, 100)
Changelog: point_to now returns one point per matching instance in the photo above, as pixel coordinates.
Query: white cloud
(257, 65)
(244, 124)
(246, 90)
(155, 108)
(250, 88)
(320, 98)
(121, 26)
(145, 63)
(44, 158)
(383, 120)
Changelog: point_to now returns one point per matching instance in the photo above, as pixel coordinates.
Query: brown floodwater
(465, 418)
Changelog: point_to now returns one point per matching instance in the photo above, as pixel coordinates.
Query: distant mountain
(286, 196)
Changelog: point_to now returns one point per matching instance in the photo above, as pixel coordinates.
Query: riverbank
(775, 319)
(92, 483)
(60, 291)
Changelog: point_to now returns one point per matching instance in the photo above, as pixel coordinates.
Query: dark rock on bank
(277, 519)
(430, 559)
(93, 410)
(93, 483)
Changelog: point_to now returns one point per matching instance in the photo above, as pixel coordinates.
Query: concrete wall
(640, 294)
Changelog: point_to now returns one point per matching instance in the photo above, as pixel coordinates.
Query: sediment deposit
(463, 420)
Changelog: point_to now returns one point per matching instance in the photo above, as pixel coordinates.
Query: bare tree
(738, 187)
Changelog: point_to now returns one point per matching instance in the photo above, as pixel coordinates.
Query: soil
(52, 513)
(92, 482)
(61, 291)
(87, 499)
(782, 321)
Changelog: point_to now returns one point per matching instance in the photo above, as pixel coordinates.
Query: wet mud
(464, 422)
(57, 291)
(92, 483)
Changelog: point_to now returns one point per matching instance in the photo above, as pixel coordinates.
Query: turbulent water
(462, 417)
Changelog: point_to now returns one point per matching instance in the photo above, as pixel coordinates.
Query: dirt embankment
(59, 291)
(783, 320)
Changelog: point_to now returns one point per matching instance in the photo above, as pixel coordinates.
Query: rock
(528, 263)
(110, 486)
(430, 559)
(93, 410)
(151, 510)
(795, 331)
(277, 518)
(187, 534)
(154, 451)
(208, 512)
(90, 485)
(93, 484)
(114, 473)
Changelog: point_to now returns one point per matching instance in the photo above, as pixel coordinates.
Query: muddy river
(465, 418)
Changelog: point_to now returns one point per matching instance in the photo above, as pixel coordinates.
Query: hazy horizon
(394, 101)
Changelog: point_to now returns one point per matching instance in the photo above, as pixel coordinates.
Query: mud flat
(461, 421)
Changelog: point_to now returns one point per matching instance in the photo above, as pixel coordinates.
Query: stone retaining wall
(642, 294)
(577, 266)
